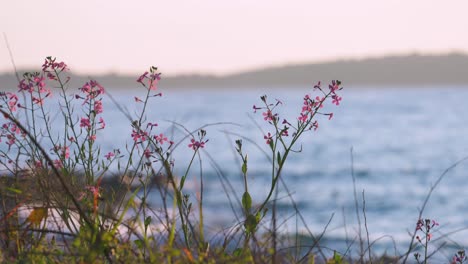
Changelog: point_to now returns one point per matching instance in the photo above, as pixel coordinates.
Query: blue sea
(396, 141)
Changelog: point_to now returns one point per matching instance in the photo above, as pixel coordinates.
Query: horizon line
(265, 66)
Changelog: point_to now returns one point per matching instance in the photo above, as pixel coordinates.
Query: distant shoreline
(396, 71)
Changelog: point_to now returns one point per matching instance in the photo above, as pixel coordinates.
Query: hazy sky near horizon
(216, 36)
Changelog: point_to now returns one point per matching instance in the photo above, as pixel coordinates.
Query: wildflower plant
(74, 216)
(425, 227)
(282, 139)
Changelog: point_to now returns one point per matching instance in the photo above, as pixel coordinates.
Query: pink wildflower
(109, 155)
(315, 125)
(151, 125)
(38, 101)
(85, 123)
(58, 164)
(319, 101)
(160, 138)
(154, 78)
(334, 86)
(139, 135)
(102, 123)
(268, 115)
(195, 145)
(25, 87)
(303, 118)
(98, 107)
(12, 101)
(147, 153)
(143, 76)
(268, 138)
(38, 164)
(40, 83)
(336, 99)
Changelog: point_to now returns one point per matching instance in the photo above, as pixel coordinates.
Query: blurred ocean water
(402, 138)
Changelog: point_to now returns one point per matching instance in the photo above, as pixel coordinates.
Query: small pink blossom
(195, 145)
(12, 101)
(109, 155)
(38, 164)
(58, 164)
(317, 86)
(139, 135)
(101, 123)
(148, 153)
(98, 107)
(315, 125)
(160, 138)
(268, 138)
(85, 123)
(336, 99)
(40, 83)
(11, 140)
(143, 76)
(38, 101)
(334, 86)
(268, 115)
(92, 137)
(154, 79)
(303, 118)
(319, 101)
(151, 125)
(23, 86)
(66, 152)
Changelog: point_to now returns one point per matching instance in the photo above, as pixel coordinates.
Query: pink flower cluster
(10, 131)
(195, 145)
(64, 152)
(12, 101)
(310, 107)
(50, 65)
(200, 143)
(150, 79)
(425, 226)
(35, 85)
(91, 90)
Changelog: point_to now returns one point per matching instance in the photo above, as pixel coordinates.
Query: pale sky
(216, 36)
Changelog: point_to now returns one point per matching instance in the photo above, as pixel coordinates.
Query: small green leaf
(237, 252)
(182, 181)
(246, 201)
(279, 157)
(18, 191)
(244, 168)
(337, 258)
(147, 221)
(138, 243)
(250, 223)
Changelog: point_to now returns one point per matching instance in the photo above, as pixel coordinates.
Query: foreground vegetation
(60, 204)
